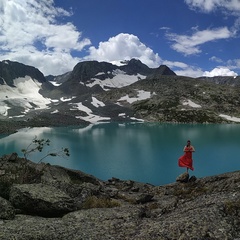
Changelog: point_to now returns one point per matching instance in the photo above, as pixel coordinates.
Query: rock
(42, 200)
(192, 179)
(2, 172)
(183, 178)
(13, 157)
(205, 208)
(144, 198)
(7, 211)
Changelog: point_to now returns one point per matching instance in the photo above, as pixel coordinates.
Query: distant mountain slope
(100, 91)
(223, 80)
(178, 99)
(107, 75)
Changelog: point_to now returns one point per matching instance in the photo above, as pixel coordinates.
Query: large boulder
(42, 200)
(7, 211)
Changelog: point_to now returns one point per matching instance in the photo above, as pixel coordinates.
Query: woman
(186, 159)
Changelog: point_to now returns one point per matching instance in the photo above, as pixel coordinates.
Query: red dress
(186, 159)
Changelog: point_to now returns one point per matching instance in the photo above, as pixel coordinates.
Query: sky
(192, 37)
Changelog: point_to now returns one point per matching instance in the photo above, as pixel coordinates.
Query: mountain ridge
(10, 70)
(100, 91)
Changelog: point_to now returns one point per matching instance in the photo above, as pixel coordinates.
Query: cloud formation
(36, 33)
(232, 6)
(189, 45)
(220, 72)
(123, 47)
(30, 33)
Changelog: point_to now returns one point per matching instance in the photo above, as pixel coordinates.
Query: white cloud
(123, 47)
(183, 69)
(211, 5)
(172, 64)
(215, 59)
(190, 71)
(189, 45)
(234, 63)
(219, 71)
(31, 34)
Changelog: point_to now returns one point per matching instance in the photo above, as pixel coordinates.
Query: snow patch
(56, 111)
(63, 99)
(120, 79)
(137, 119)
(55, 83)
(100, 73)
(97, 103)
(142, 95)
(54, 100)
(191, 104)
(233, 119)
(4, 110)
(91, 117)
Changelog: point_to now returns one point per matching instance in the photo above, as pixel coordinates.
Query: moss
(153, 206)
(74, 177)
(99, 202)
(232, 207)
(190, 191)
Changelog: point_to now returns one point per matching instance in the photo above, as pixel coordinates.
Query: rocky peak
(84, 71)
(11, 70)
(135, 66)
(164, 70)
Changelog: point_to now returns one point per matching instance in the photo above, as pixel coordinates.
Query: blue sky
(193, 37)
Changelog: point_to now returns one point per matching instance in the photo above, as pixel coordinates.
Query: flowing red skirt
(186, 161)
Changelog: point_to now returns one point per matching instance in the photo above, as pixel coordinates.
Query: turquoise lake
(144, 152)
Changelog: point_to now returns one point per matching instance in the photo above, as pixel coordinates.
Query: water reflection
(145, 152)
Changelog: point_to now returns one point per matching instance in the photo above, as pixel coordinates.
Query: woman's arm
(192, 149)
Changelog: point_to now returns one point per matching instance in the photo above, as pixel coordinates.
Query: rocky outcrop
(40, 199)
(183, 178)
(58, 203)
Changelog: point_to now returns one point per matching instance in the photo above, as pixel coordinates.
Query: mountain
(11, 70)
(100, 91)
(107, 75)
(223, 80)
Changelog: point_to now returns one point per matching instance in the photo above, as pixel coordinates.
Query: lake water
(144, 152)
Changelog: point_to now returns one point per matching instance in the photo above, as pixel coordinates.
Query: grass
(99, 202)
(232, 207)
(190, 191)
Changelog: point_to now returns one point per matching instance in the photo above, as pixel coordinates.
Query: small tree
(37, 145)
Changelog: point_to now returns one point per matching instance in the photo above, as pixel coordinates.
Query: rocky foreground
(44, 202)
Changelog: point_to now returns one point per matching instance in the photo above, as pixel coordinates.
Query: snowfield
(92, 118)
(97, 103)
(142, 95)
(233, 119)
(24, 94)
(120, 79)
(191, 104)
